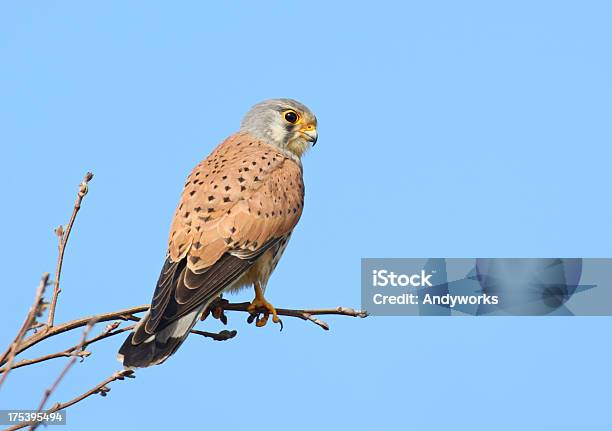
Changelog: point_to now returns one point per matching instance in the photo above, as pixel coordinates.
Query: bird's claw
(260, 311)
(217, 310)
(219, 313)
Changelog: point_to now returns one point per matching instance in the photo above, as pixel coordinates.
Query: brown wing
(237, 203)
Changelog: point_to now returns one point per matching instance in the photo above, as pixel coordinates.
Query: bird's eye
(291, 117)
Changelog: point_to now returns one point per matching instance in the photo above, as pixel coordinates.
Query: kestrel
(233, 221)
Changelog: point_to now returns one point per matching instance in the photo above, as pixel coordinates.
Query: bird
(232, 224)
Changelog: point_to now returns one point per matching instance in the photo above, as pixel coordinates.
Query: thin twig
(63, 236)
(301, 314)
(72, 351)
(63, 373)
(100, 388)
(10, 354)
(217, 336)
(110, 331)
(126, 314)
(63, 354)
(129, 314)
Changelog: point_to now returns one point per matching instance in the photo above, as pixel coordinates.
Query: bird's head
(285, 123)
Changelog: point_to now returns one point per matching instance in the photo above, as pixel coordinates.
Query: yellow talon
(260, 303)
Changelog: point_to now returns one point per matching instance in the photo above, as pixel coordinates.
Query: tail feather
(147, 353)
(178, 300)
(158, 347)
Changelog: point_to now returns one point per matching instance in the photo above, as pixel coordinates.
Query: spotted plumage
(232, 224)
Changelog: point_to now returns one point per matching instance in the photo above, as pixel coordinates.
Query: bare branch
(109, 332)
(302, 314)
(9, 356)
(126, 314)
(61, 375)
(63, 354)
(217, 336)
(63, 236)
(101, 388)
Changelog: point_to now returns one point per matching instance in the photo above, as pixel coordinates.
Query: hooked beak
(310, 132)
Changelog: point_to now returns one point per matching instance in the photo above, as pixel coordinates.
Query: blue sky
(456, 129)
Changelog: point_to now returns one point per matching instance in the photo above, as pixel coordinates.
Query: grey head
(285, 123)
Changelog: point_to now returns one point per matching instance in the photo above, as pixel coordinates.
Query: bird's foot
(217, 310)
(258, 306)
